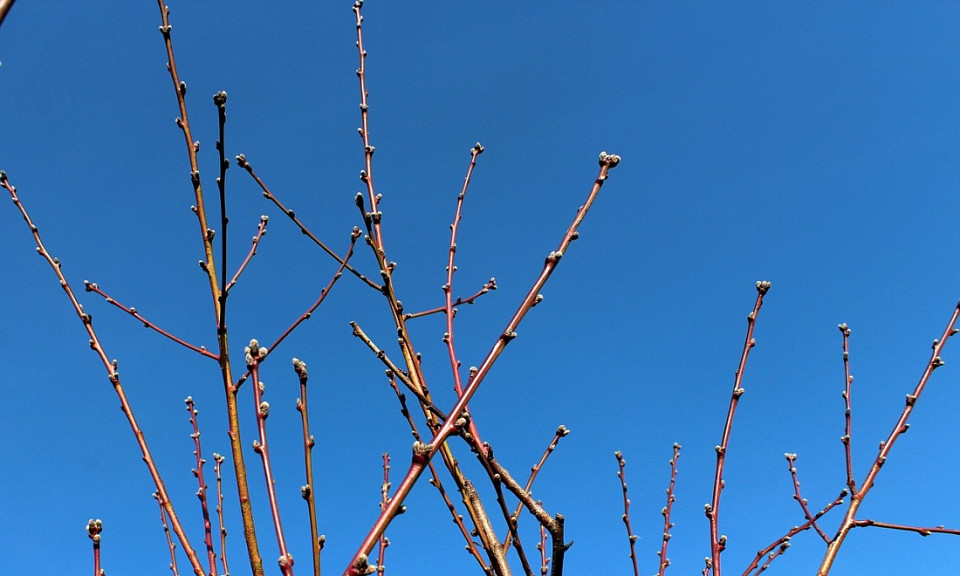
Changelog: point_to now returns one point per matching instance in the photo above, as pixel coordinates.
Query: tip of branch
(609, 160)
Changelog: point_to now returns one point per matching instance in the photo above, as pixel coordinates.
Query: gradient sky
(811, 144)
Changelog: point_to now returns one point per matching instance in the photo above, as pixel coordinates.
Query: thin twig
(921, 530)
(93, 287)
(667, 524)
(631, 537)
(218, 462)
(245, 164)
(308, 490)
(384, 498)
(112, 374)
(848, 381)
(487, 287)
(785, 539)
(535, 469)
(717, 541)
(220, 101)
(202, 489)
(261, 230)
(792, 463)
(542, 546)
(254, 354)
(171, 545)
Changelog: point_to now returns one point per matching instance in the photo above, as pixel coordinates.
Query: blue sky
(813, 145)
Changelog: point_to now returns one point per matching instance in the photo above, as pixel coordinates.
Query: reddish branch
(202, 489)
(261, 230)
(712, 510)
(848, 381)
(209, 267)
(94, 528)
(448, 288)
(488, 286)
(423, 453)
(308, 491)
(667, 524)
(112, 374)
(171, 545)
(93, 287)
(901, 426)
(245, 164)
(631, 537)
(384, 498)
(780, 545)
(535, 469)
(254, 354)
(792, 461)
(218, 462)
(921, 530)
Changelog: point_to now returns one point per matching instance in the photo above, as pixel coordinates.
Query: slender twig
(535, 469)
(773, 556)
(112, 374)
(202, 489)
(245, 164)
(792, 463)
(785, 539)
(208, 265)
(384, 498)
(487, 286)
(712, 510)
(631, 537)
(448, 292)
(423, 453)
(254, 354)
(921, 530)
(218, 462)
(542, 546)
(171, 545)
(511, 521)
(261, 230)
(901, 426)
(848, 381)
(220, 101)
(94, 528)
(667, 524)
(93, 287)
(308, 491)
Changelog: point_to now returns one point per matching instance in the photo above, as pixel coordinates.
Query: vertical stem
(308, 490)
(718, 542)
(94, 528)
(254, 355)
(202, 489)
(209, 267)
(848, 381)
(218, 462)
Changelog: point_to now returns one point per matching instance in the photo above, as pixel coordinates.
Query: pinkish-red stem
(718, 543)
(202, 489)
(667, 524)
(254, 355)
(792, 461)
(261, 230)
(631, 537)
(448, 286)
(488, 286)
(93, 287)
(218, 462)
(384, 498)
(535, 469)
(308, 491)
(94, 529)
(171, 546)
(848, 381)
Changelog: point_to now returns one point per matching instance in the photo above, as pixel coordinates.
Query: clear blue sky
(810, 144)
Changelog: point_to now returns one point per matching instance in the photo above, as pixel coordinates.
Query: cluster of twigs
(433, 434)
(434, 430)
(778, 547)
